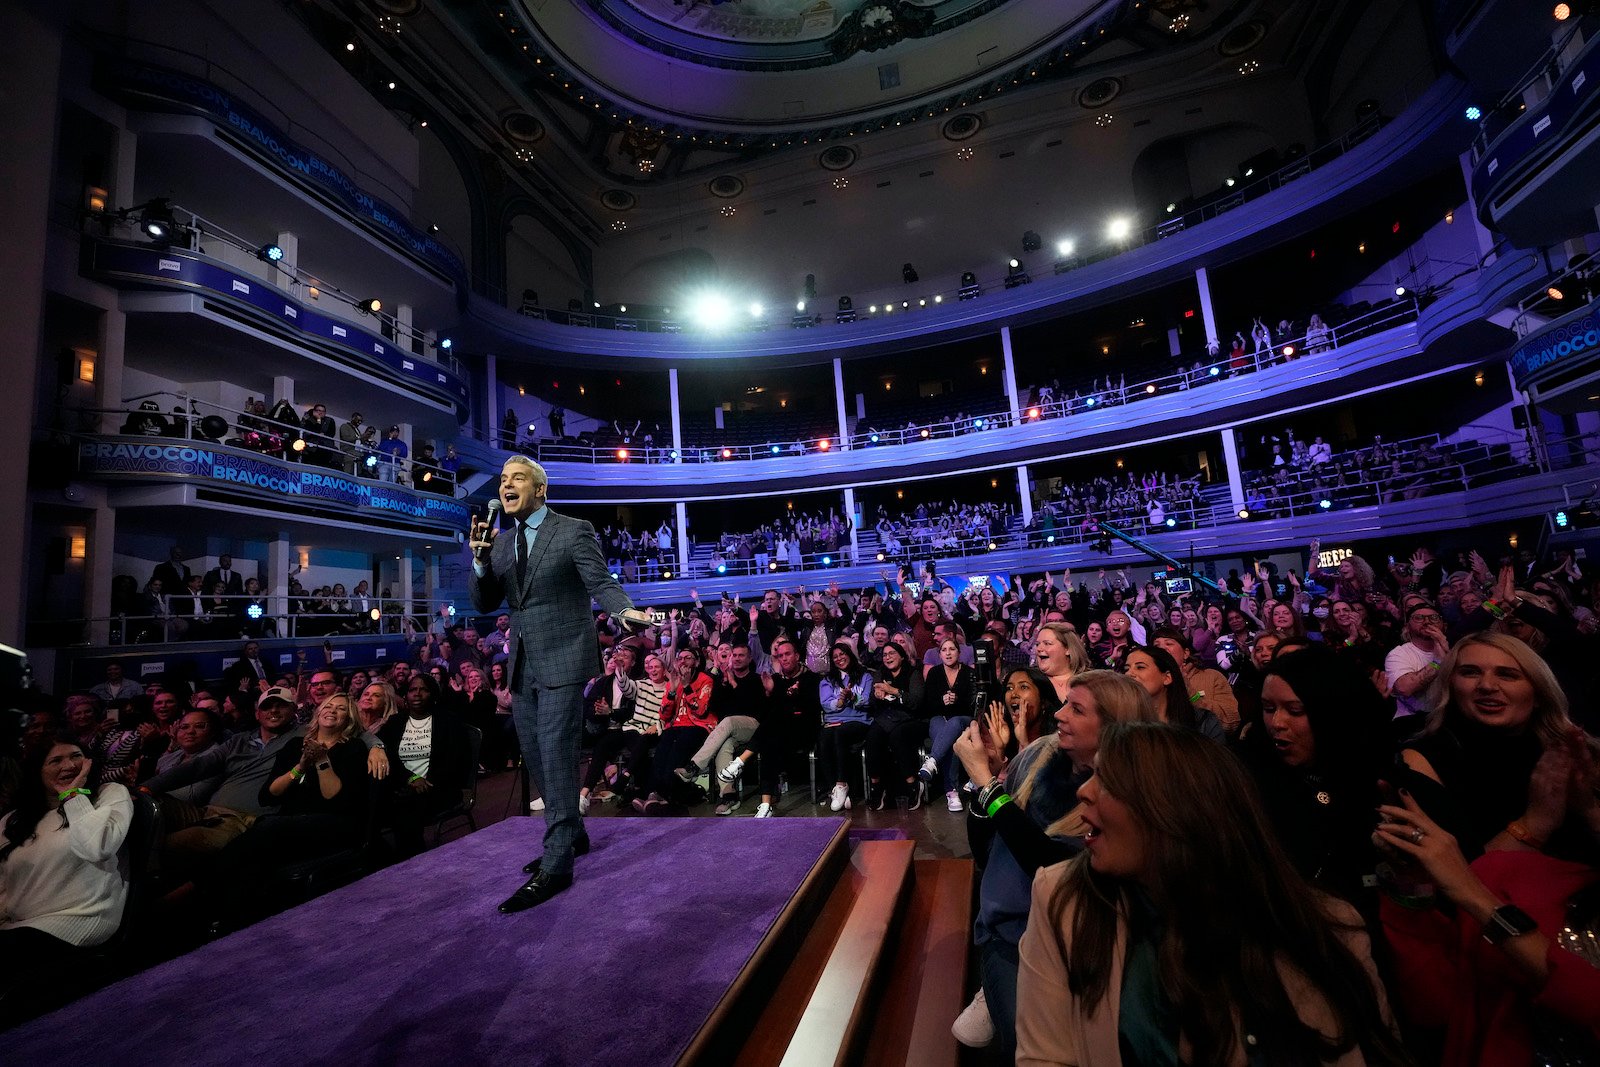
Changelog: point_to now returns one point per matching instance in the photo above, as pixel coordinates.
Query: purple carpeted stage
(414, 964)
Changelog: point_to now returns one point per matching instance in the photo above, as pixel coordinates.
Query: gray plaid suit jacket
(552, 620)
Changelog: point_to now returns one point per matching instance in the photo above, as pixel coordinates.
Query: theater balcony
(1400, 342)
(1538, 146)
(237, 492)
(180, 302)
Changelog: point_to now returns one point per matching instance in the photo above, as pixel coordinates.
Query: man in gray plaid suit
(547, 570)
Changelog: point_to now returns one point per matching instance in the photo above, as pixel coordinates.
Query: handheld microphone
(494, 511)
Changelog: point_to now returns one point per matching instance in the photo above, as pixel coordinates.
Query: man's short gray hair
(539, 476)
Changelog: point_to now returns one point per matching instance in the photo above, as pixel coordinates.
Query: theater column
(682, 515)
(280, 557)
(284, 276)
(838, 399)
(1025, 491)
(855, 523)
(404, 339)
(1011, 378)
(677, 448)
(102, 547)
(408, 603)
(1230, 458)
(1202, 282)
(282, 389)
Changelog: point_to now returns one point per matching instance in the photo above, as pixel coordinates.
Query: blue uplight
(254, 611)
(1324, 503)
(722, 568)
(1474, 113)
(1089, 403)
(1172, 522)
(873, 438)
(1215, 371)
(1561, 519)
(775, 450)
(827, 561)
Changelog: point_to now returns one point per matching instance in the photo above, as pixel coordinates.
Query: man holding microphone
(547, 569)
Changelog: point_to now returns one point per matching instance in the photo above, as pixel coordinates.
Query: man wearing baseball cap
(230, 777)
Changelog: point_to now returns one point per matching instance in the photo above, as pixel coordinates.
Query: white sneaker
(973, 1027)
(929, 769)
(583, 803)
(840, 798)
(952, 799)
(536, 804)
(731, 771)
(764, 811)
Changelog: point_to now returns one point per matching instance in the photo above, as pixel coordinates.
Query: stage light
(1171, 207)
(827, 561)
(427, 476)
(1171, 522)
(776, 450)
(710, 311)
(622, 454)
(1563, 12)
(1229, 182)
(254, 611)
(1288, 350)
(924, 433)
(451, 610)
(1065, 248)
(371, 462)
(872, 310)
(666, 574)
(1050, 539)
(909, 274)
(673, 455)
(270, 253)
(375, 614)
(349, 46)
(157, 220)
(722, 568)
(905, 303)
(615, 576)
(937, 299)
(1215, 371)
(1033, 413)
(1555, 294)
(978, 423)
(1474, 113)
(727, 453)
(824, 444)
(299, 444)
(446, 344)
(756, 309)
(846, 311)
(1562, 520)
(881, 555)
(799, 305)
(370, 306)
(991, 546)
(873, 439)
(1324, 503)
(1013, 264)
(1152, 388)
(922, 303)
(1119, 229)
(772, 566)
(532, 426)
(1088, 402)
(1244, 513)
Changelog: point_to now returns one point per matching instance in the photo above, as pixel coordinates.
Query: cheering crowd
(1291, 817)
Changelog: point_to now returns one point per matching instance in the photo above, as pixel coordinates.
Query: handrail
(1495, 120)
(1214, 368)
(150, 628)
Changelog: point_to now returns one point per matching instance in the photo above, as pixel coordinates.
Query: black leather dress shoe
(580, 847)
(538, 889)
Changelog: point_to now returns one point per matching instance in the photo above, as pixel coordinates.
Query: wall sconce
(86, 369)
(94, 198)
(77, 547)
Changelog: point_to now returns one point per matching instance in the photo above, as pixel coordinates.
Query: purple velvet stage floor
(414, 965)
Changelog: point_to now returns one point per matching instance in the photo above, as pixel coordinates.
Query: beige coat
(1052, 1029)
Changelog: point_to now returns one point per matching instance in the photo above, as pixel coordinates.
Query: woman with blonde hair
(1029, 819)
(374, 703)
(1183, 934)
(1060, 654)
(1496, 710)
(318, 785)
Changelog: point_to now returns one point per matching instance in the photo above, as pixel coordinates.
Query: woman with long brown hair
(1183, 934)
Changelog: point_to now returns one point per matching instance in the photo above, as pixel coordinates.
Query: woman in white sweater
(61, 888)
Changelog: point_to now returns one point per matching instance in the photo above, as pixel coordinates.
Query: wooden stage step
(880, 973)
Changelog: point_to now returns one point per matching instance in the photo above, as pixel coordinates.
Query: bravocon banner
(141, 84)
(265, 476)
(179, 269)
(1556, 348)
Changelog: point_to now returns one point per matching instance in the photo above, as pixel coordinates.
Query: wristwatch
(1508, 920)
(324, 765)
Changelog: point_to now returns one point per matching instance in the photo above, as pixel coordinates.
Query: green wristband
(415, 778)
(998, 802)
(67, 794)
